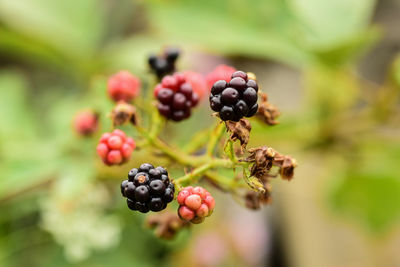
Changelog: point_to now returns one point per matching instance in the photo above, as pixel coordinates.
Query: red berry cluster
(176, 97)
(196, 203)
(115, 148)
(85, 122)
(123, 86)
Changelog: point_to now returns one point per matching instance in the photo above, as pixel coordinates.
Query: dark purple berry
(250, 96)
(156, 204)
(164, 110)
(142, 207)
(238, 83)
(165, 96)
(164, 179)
(226, 113)
(154, 174)
(187, 90)
(171, 54)
(179, 101)
(130, 190)
(178, 115)
(162, 170)
(240, 74)
(168, 195)
(142, 193)
(215, 103)
(229, 96)
(195, 99)
(145, 167)
(241, 108)
(218, 87)
(252, 83)
(253, 110)
(131, 204)
(157, 187)
(123, 185)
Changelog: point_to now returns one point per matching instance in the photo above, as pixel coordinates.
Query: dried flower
(267, 111)
(239, 131)
(123, 113)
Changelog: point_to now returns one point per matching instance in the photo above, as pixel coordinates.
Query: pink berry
(182, 196)
(199, 191)
(114, 157)
(85, 122)
(114, 142)
(115, 148)
(209, 200)
(185, 213)
(123, 86)
(202, 211)
(180, 78)
(193, 202)
(169, 82)
(102, 150)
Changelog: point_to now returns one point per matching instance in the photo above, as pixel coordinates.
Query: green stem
(193, 174)
(215, 137)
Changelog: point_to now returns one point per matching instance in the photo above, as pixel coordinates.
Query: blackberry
(175, 97)
(148, 188)
(164, 64)
(235, 99)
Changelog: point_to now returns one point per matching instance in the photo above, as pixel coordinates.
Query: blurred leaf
(74, 27)
(328, 24)
(371, 200)
(232, 28)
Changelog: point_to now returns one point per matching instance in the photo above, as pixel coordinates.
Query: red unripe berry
(198, 82)
(123, 86)
(221, 72)
(170, 82)
(85, 122)
(185, 213)
(195, 204)
(115, 148)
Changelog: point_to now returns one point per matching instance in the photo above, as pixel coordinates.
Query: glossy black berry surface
(148, 188)
(236, 99)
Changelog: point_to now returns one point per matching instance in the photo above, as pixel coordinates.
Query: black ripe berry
(148, 188)
(236, 99)
(164, 64)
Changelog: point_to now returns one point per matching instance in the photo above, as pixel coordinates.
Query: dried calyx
(264, 158)
(266, 111)
(239, 131)
(123, 113)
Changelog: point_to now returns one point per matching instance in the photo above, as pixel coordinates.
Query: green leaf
(370, 200)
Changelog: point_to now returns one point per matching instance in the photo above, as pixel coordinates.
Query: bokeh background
(332, 68)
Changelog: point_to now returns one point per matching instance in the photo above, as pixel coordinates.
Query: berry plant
(235, 98)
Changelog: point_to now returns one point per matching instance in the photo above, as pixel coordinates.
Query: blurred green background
(332, 67)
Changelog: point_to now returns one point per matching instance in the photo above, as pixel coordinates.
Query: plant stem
(196, 172)
(215, 137)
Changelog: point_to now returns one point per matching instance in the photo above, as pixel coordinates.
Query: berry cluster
(115, 148)
(196, 203)
(235, 99)
(148, 188)
(165, 63)
(86, 122)
(176, 97)
(123, 86)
